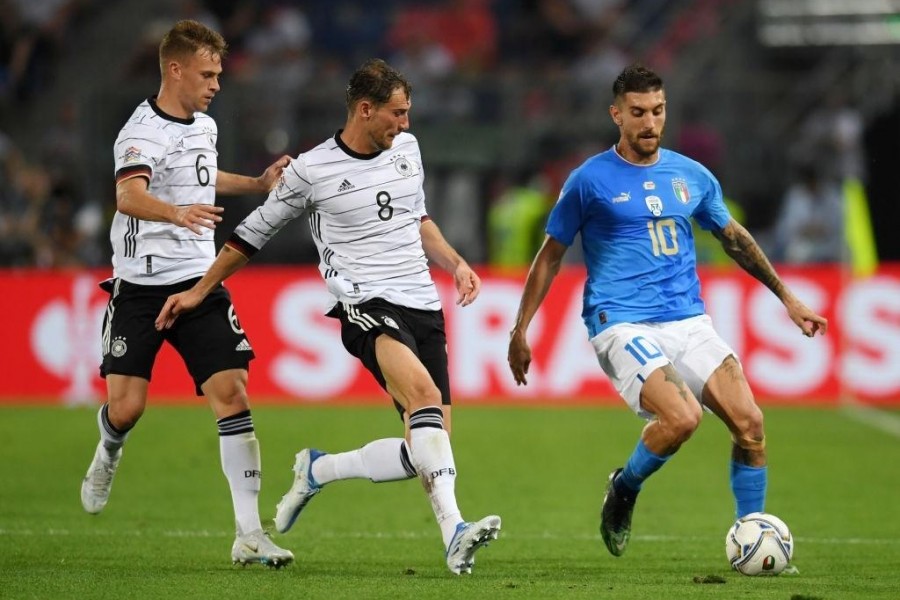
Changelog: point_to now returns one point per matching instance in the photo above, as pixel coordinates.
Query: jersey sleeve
(138, 150)
(286, 202)
(566, 216)
(711, 213)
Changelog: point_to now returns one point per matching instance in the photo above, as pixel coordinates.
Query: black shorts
(209, 338)
(422, 331)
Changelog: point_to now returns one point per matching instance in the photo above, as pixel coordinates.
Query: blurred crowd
(457, 54)
(45, 219)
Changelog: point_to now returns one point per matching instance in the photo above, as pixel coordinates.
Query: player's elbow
(124, 201)
(551, 254)
(126, 197)
(552, 262)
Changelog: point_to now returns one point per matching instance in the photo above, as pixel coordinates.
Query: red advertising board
(53, 322)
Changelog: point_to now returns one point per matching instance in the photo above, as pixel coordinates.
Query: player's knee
(124, 420)
(684, 426)
(749, 430)
(750, 444)
(125, 411)
(424, 394)
(680, 425)
(234, 398)
(227, 391)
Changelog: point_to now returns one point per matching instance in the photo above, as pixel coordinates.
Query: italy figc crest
(681, 190)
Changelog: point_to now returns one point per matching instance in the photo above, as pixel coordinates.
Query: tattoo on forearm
(672, 376)
(740, 246)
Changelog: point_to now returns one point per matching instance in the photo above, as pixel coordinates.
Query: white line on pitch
(879, 419)
(205, 533)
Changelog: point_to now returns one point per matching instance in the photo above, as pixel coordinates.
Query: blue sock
(749, 487)
(641, 464)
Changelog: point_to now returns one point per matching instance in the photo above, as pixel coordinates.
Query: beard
(645, 147)
(384, 142)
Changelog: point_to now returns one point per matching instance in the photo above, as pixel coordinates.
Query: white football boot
(301, 492)
(257, 547)
(469, 537)
(98, 480)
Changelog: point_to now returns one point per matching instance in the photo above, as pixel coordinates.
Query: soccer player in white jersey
(632, 205)
(362, 190)
(162, 237)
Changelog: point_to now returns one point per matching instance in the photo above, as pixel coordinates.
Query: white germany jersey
(179, 159)
(364, 212)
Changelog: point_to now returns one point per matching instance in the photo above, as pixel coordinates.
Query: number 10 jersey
(635, 226)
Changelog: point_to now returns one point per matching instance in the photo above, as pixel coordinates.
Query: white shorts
(629, 352)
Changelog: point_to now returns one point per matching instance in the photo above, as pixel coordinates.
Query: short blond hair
(185, 38)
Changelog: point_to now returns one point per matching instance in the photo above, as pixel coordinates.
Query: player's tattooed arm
(743, 249)
(740, 246)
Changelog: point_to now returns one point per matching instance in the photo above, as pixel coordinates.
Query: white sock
(381, 460)
(241, 465)
(111, 437)
(433, 458)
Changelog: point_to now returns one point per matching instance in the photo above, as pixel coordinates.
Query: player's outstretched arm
(438, 251)
(543, 270)
(133, 199)
(231, 184)
(740, 246)
(227, 262)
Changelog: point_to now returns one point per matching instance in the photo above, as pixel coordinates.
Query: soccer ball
(759, 544)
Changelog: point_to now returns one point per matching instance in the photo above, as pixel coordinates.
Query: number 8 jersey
(636, 235)
(178, 159)
(365, 211)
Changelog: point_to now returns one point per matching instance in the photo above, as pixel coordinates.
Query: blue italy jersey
(636, 234)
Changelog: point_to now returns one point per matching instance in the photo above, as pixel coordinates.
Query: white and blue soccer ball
(759, 544)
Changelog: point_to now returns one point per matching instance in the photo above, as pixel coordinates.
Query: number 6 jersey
(178, 159)
(365, 211)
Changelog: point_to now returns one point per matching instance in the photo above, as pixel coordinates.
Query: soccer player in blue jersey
(632, 205)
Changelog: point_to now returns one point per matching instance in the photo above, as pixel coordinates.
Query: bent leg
(677, 415)
(676, 411)
(127, 398)
(728, 396)
(379, 461)
(408, 381)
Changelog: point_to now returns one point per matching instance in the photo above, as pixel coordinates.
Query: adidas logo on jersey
(243, 346)
(345, 186)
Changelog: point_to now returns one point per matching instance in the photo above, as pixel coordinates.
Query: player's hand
(175, 305)
(519, 356)
(273, 173)
(468, 284)
(197, 216)
(808, 321)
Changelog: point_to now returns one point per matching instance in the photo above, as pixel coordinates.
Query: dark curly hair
(636, 78)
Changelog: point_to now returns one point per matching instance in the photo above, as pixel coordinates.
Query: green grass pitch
(167, 530)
